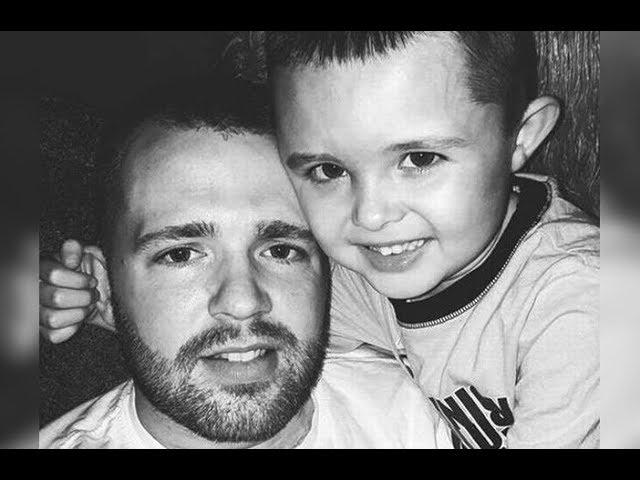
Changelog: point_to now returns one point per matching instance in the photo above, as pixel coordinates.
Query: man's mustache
(220, 335)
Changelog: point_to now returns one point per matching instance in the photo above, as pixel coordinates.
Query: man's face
(220, 290)
(402, 177)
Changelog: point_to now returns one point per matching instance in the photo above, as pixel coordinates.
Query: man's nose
(375, 206)
(239, 296)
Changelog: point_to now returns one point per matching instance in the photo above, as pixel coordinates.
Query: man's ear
(94, 263)
(538, 121)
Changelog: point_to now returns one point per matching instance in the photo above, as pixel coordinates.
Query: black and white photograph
(319, 240)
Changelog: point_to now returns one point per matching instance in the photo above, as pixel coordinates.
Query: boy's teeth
(241, 356)
(398, 248)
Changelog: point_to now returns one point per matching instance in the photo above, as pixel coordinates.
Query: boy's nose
(239, 296)
(374, 208)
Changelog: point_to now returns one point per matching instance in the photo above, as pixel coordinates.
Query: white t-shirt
(509, 355)
(362, 400)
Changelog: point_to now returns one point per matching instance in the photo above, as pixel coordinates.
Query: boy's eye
(284, 253)
(327, 171)
(419, 159)
(180, 255)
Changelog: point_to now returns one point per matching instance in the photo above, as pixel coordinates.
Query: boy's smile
(395, 256)
(402, 177)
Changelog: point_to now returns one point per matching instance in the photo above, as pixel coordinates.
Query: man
(220, 298)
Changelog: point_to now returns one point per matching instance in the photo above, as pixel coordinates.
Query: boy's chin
(401, 286)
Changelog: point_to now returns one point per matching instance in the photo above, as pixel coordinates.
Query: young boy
(402, 149)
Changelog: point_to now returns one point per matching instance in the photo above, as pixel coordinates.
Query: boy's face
(402, 177)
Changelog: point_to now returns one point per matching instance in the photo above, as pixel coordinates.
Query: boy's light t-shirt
(509, 355)
(362, 400)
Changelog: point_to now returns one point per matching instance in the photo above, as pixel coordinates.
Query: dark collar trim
(535, 197)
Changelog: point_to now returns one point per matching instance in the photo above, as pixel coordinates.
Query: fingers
(66, 295)
(55, 297)
(52, 318)
(71, 254)
(54, 273)
(59, 335)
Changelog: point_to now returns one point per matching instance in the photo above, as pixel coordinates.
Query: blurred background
(620, 238)
(79, 78)
(18, 264)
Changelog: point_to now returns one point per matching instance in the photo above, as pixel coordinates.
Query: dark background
(84, 76)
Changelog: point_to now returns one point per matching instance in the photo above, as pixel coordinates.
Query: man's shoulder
(368, 377)
(365, 399)
(89, 425)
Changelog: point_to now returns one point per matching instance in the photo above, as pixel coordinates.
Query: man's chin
(236, 412)
(247, 391)
(251, 412)
(248, 404)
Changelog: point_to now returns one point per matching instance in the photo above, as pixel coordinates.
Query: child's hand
(68, 293)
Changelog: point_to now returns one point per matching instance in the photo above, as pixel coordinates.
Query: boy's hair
(229, 106)
(502, 66)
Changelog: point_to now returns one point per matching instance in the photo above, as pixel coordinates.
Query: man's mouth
(242, 365)
(397, 248)
(240, 356)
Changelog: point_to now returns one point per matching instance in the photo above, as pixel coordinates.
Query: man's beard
(252, 412)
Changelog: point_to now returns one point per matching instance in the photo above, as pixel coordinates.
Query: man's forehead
(181, 173)
(203, 158)
(157, 146)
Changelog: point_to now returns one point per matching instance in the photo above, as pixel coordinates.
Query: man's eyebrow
(176, 232)
(429, 143)
(298, 160)
(278, 229)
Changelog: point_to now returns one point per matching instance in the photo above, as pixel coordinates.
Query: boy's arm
(73, 289)
(557, 390)
(359, 314)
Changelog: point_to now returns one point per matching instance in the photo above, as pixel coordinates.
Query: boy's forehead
(427, 55)
(421, 87)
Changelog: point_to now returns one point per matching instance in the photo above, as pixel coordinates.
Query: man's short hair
(502, 66)
(227, 105)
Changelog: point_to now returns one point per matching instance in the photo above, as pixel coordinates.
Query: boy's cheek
(324, 213)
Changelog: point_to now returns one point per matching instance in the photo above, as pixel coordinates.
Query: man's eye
(327, 171)
(284, 253)
(419, 159)
(179, 255)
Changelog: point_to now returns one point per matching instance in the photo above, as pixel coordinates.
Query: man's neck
(171, 434)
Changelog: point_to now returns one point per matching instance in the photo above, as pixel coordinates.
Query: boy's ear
(94, 263)
(538, 121)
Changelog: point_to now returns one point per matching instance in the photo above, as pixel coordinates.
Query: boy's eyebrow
(429, 143)
(271, 230)
(298, 160)
(176, 232)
